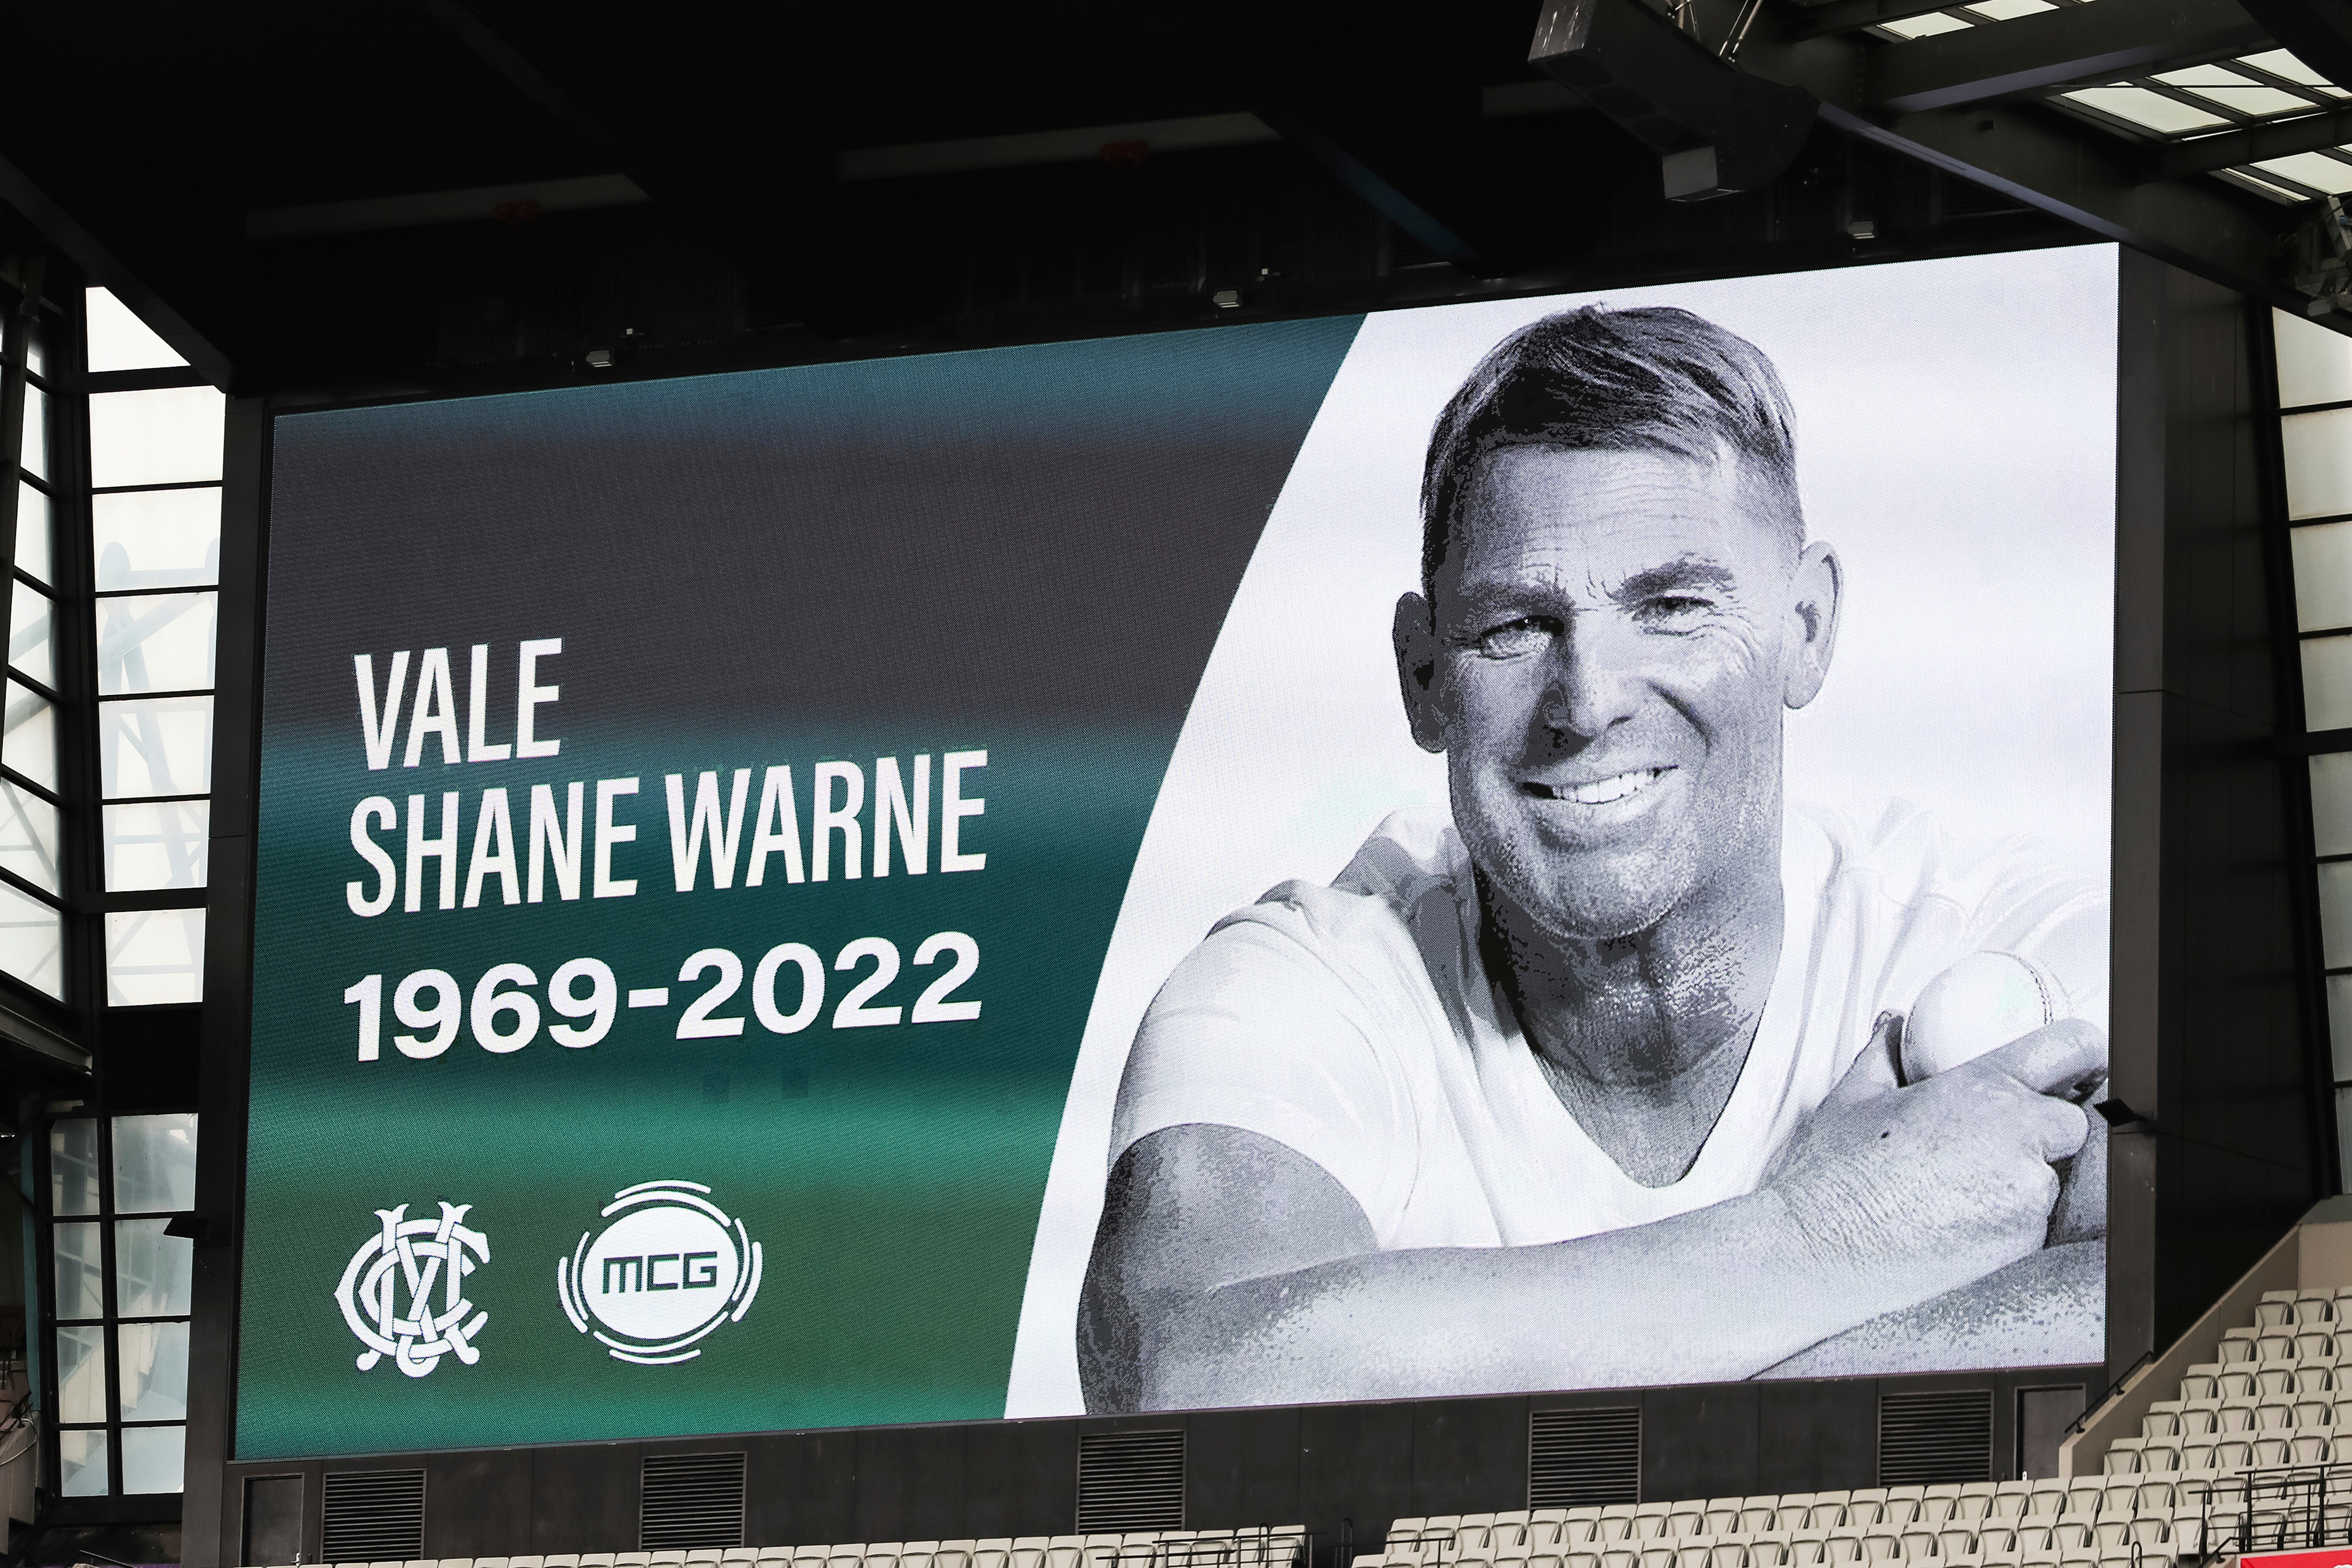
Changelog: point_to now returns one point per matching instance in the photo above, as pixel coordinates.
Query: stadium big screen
(1537, 844)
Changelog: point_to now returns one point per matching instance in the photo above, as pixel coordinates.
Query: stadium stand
(2271, 1402)
(1261, 1547)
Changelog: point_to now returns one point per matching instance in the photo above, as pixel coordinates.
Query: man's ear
(1816, 589)
(1415, 636)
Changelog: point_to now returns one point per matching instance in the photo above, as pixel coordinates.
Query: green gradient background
(897, 1200)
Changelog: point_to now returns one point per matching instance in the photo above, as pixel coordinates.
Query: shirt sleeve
(1258, 1029)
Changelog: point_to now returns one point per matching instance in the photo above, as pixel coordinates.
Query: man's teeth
(1600, 792)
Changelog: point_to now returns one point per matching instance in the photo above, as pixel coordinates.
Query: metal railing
(1264, 1547)
(2290, 1509)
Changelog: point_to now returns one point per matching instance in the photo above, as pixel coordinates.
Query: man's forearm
(1642, 1305)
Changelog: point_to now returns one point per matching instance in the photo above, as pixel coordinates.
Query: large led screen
(1542, 844)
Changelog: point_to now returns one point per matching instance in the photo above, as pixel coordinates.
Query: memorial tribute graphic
(732, 833)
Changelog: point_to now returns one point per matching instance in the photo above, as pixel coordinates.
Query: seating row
(2280, 1308)
(2211, 1382)
(2214, 1457)
(1802, 1554)
(1535, 1529)
(1881, 1542)
(1269, 1548)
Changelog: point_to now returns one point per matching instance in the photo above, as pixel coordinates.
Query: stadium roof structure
(185, 154)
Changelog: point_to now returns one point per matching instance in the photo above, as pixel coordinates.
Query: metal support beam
(2028, 55)
(2227, 149)
(2090, 180)
(2036, 154)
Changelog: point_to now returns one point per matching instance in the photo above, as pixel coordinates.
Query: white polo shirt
(1355, 1023)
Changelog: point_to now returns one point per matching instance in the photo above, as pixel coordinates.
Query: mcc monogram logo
(668, 1268)
(419, 1254)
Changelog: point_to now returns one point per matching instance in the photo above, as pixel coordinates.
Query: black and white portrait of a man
(1591, 1074)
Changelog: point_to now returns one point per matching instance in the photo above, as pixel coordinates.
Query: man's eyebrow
(1675, 575)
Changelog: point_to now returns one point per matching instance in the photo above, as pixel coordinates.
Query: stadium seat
(2197, 1382)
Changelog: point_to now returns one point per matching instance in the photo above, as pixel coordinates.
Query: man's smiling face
(1615, 636)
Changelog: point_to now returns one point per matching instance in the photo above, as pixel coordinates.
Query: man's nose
(1591, 685)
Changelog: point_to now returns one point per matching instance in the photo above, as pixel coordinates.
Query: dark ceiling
(1403, 150)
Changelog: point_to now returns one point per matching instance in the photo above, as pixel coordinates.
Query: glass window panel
(73, 1166)
(29, 736)
(32, 531)
(2331, 807)
(36, 353)
(2314, 365)
(36, 454)
(2328, 682)
(162, 843)
(1925, 27)
(81, 1463)
(155, 642)
(119, 340)
(79, 1277)
(2280, 63)
(82, 1373)
(2336, 914)
(2257, 101)
(155, 955)
(2323, 576)
(31, 648)
(2339, 1026)
(151, 1271)
(155, 1166)
(28, 836)
(2313, 169)
(2002, 10)
(161, 746)
(2143, 107)
(162, 538)
(171, 436)
(154, 1459)
(2204, 76)
(32, 941)
(2318, 450)
(152, 1359)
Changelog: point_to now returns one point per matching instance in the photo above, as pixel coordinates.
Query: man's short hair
(1649, 378)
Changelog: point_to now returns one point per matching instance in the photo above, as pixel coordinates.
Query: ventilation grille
(1131, 1480)
(1576, 1458)
(374, 1516)
(1933, 1440)
(690, 1500)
